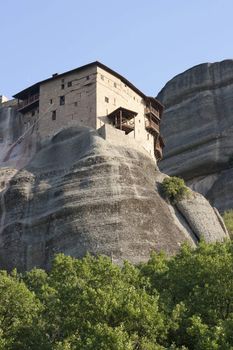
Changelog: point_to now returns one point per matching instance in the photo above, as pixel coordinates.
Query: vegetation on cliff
(228, 220)
(174, 188)
(183, 302)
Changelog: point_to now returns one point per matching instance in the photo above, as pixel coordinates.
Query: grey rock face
(80, 193)
(18, 142)
(198, 130)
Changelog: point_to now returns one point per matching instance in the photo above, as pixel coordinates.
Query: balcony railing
(25, 103)
(152, 126)
(152, 110)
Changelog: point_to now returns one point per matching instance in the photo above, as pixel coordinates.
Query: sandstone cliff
(80, 193)
(197, 127)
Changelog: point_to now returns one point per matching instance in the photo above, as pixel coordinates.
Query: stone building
(95, 96)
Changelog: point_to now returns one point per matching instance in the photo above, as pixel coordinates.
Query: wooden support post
(120, 119)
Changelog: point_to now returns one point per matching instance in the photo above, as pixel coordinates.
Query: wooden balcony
(29, 103)
(125, 127)
(152, 127)
(123, 119)
(151, 111)
(159, 145)
(158, 153)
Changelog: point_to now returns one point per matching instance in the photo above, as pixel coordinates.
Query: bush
(174, 188)
(228, 220)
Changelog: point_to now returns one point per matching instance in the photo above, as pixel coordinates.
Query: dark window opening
(106, 99)
(69, 84)
(115, 85)
(62, 100)
(33, 113)
(76, 103)
(51, 101)
(62, 86)
(88, 77)
(54, 115)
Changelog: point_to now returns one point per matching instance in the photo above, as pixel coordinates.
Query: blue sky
(148, 42)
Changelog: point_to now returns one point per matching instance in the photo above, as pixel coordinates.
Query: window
(33, 113)
(54, 115)
(76, 104)
(88, 77)
(62, 80)
(102, 77)
(62, 100)
(69, 84)
(139, 121)
(148, 136)
(51, 101)
(106, 99)
(62, 86)
(115, 85)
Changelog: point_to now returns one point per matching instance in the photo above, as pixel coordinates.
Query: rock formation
(197, 127)
(80, 193)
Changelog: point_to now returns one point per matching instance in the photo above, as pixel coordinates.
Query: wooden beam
(120, 119)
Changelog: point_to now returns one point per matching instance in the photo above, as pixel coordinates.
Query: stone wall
(118, 94)
(79, 108)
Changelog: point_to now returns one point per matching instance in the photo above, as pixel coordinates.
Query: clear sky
(147, 41)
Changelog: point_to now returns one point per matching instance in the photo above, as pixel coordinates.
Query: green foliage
(228, 220)
(178, 303)
(174, 188)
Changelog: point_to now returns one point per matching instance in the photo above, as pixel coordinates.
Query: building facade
(92, 95)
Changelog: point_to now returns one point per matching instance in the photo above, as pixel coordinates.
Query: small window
(62, 80)
(102, 77)
(76, 104)
(115, 85)
(62, 86)
(139, 121)
(88, 77)
(51, 101)
(69, 84)
(148, 136)
(106, 99)
(33, 113)
(54, 115)
(62, 100)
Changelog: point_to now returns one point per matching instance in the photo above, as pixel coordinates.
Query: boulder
(81, 193)
(197, 128)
